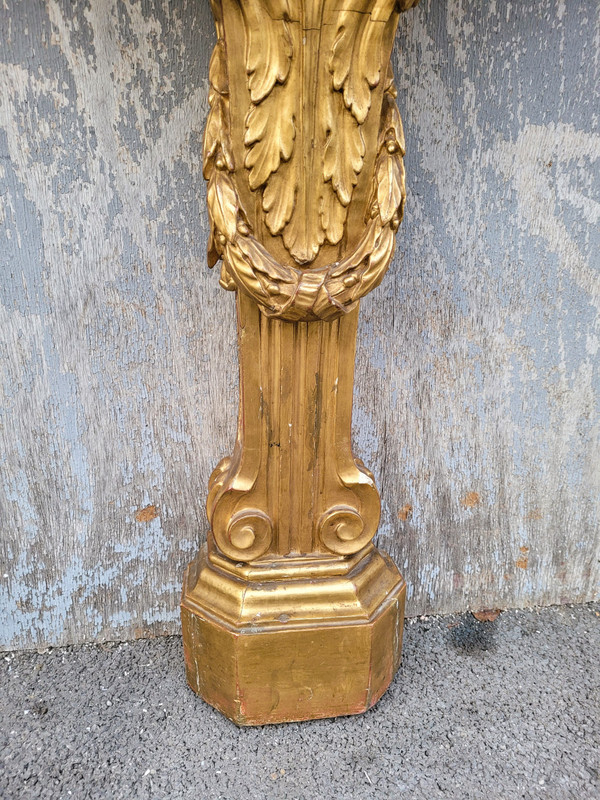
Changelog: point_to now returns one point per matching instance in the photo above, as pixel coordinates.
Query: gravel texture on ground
(492, 710)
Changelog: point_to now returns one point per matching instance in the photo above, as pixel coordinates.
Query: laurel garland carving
(273, 157)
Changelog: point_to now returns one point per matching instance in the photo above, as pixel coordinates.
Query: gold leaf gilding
(304, 152)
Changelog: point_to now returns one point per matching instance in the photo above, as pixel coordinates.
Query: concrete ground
(492, 710)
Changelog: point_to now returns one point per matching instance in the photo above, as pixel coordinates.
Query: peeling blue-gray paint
(478, 388)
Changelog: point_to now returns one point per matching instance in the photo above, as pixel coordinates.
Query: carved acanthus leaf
(333, 215)
(270, 129)
(307, 178)
(344, 150)
(268, 45)
(279, 197)
(269, 138)
(346, 75)
(356, 60)
(283, 171)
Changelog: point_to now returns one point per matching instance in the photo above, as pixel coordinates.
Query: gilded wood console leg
(290, 612)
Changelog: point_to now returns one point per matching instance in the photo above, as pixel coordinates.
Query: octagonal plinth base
(293, 638)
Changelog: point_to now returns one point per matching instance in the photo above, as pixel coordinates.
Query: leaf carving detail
(356, 62)
(390, 186)
(289, 166)
(278, 199)
(222, 199)
(269, 137)
(344, 151)
(270, 130)
(268, 46)
(333, 215)
(301, 238)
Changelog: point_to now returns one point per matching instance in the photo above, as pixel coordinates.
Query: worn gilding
(302, 104)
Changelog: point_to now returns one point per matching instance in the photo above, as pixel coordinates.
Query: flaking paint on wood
(477, 395)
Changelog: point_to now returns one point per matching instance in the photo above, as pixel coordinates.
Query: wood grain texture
(477, 396)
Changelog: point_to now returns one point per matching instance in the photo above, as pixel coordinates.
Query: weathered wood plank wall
(477, 399)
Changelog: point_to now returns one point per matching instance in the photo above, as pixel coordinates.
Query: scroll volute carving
(303, 152)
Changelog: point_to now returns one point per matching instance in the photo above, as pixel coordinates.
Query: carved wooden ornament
(290, 612)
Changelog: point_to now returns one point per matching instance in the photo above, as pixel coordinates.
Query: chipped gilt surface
(484, 334)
